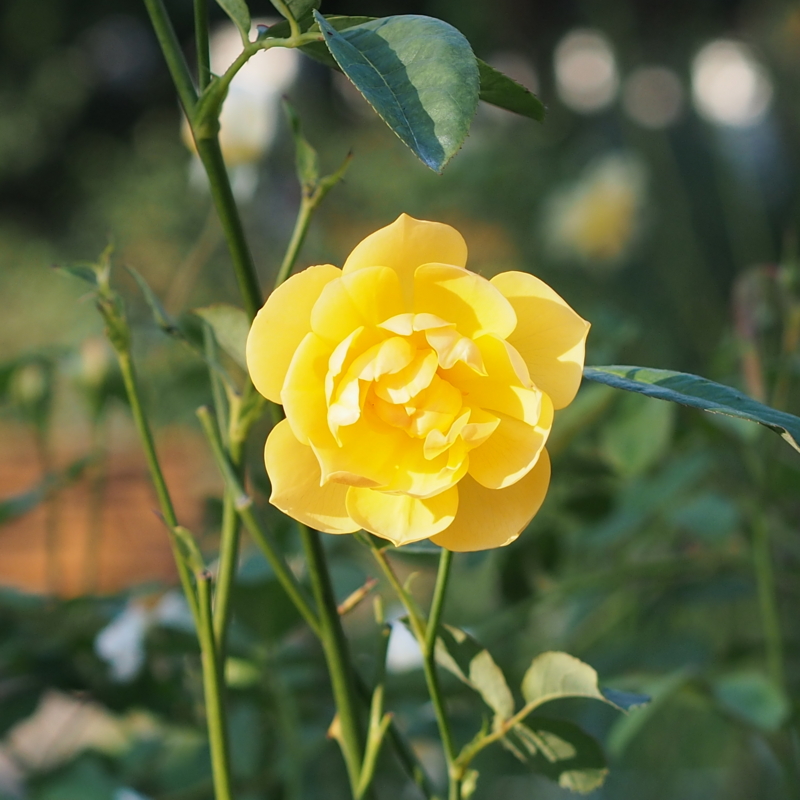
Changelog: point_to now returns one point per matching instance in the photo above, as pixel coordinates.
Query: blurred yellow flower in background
(595, 220)
(418, 395)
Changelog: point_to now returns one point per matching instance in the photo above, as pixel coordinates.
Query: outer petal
(464, 298)
(295, 476)
(511, 451)
(399, 518)
(405, 245)
(303, 392)
(280, 326)
(549, 335)
(488, 518)
(367, 297)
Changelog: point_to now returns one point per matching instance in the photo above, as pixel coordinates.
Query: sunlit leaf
(231, 326)
(298, 8)
(697, 392)
(238, 11)
(472, 663)
(556, 676)
(420, 76)
(504, 92)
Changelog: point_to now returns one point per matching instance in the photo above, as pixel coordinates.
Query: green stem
(767, 597)
(156, 475)
(425, 634)
(213, 692)
(173, 55)
(243, 505)
(298, 236)
(201, 43)
(337, 656)
(243, 265)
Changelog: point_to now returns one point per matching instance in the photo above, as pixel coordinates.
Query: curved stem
(296, 242)
(437, 604)
(337, 656)
(156, 475)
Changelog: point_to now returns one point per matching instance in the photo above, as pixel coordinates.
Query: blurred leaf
(697, 392)
(638, 434)
(625, 700)
(710, 516)
(238, 11)
(555, 676)
(306, 160)
(83, 271)
(472, 663)
(754, 698)
(504, 92)
(87, 779)
(420, 76)
(561, 751)
(162, 318)
(627, 728)
(231, 326)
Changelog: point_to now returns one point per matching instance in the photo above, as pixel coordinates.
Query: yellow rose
(418, 395)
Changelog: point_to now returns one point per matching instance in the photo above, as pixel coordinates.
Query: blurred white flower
(652, 96)
(121, 643)
(594, 221)
(586, 71)
(404, 654)
(251, 112)
(730, 86)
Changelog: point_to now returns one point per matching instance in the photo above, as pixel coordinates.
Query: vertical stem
(213, 690)
(156, 475)
(336, 654)
(201, 43)
(228, 556)
(425, 634)
(767, 597)
(243, 265)
(170, 47)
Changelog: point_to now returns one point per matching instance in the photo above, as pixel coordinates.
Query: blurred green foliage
(644, 561)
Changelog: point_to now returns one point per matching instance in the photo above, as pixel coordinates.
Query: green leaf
(638, 434)
(626, 701)
(555, 676)
(420, 76)
(561, 751)
(504, 92)
(238, 11)
(754, 698)
(697, 392)
(231, 326)
(472, 663)
(306, 159)
(299, 8)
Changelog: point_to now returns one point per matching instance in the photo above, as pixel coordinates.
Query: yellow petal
(493, 518)
(303, 392)
(511, 451)
(405, 245)
(367, 297)
(399, 518)
(464, 299)
(280, 326)
(403, 385)
(295, 476)
(549, 335)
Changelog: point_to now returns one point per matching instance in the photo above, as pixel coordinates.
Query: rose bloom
(418, 395)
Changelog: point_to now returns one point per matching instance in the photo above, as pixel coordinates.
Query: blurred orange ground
(132, 546)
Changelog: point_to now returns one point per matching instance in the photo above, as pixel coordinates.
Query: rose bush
(418, 395)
